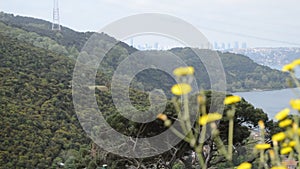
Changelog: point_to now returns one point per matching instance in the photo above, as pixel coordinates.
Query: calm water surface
(270, 101)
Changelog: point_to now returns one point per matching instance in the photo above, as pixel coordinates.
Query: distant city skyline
(141, 45)
(258, 23)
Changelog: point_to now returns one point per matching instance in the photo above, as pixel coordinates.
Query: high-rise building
(228, 46)
(223, 46)
(216, 46)
(156, 46)
(244, 45)
(131, 42)
(236, 44)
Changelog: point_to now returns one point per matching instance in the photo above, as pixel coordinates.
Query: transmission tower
(56, 24)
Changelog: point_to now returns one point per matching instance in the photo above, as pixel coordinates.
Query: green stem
(265, 164)
(277, 159)
(187, 120)
(295, 79)
(296, 119)
(178, 134)
(202, 136)
(221, 146)
(261, 159)
(200, 158)
(230, 133)
(180, 118)
(186, 115)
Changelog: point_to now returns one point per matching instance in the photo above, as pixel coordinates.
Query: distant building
(223, 46)
(228, 46)
(131, 41)
(216, 45)
(244, 45)
(236, 45)
(156, 46)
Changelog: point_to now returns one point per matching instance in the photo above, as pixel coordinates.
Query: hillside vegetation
(39, 126)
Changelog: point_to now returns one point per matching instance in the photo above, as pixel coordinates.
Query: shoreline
(261, 90)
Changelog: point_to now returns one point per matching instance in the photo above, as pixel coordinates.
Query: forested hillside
(39, 126)
(242, 73)
(37, 116)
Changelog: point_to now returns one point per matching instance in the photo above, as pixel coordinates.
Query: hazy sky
(256, 22)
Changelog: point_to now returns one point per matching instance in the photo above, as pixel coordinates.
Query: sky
(259, 23)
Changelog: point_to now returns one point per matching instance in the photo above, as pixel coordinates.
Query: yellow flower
(232, 99)
(282, 114)
(261, 124)
(278, 136)
(279, 167)
(295, 103)
(162, 117)
(203, 120)
(285, 123)
(292, 143)
(181, 89)
(272, 154)
(289, 67)
(201, 99)
(296, 62)
(244, 165)
(284, 144)
(183, 71)
(262, 146)
(286, 150)
(167, 123)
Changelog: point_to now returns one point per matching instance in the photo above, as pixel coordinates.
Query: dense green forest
(39, 127)
(38, 121)
(242, 74)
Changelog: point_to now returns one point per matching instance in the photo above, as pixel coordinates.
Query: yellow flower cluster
(291, 66)
(162, 117)
(278, 136)
(285, 123)
(203, 120)
(279, 167)
(282, 114)
(244, 165)
(262, 146)
(232, 99)
(292, 143)
(261, 124)
(281, 117)
(295, 104)
(184, 71)
(201, 99)
(285, 150)
(284, 143)
(181, 89)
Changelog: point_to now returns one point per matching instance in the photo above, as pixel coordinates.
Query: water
(270, 101)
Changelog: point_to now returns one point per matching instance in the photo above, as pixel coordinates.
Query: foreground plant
(271, 155)
(285, 144)
(196, 138)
